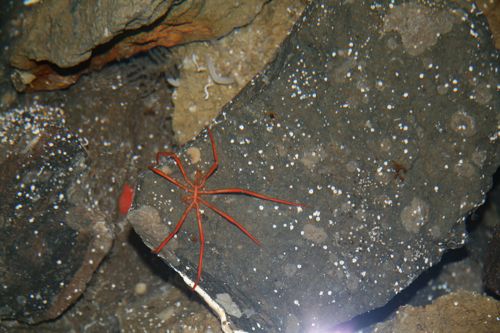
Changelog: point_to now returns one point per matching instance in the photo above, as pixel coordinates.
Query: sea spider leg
(215, 165)
(168, 177)
(202, 246)
(234, 190)
(196, 189)
(230, 219)
(177, 228)
(252, 194)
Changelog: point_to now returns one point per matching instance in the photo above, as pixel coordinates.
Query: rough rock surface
(491, 9)
(121, 120)
(65, 33)
(62, 41)
(491, 275)
(389, 149)
(236, 58)
(460, 312)
(50, 243)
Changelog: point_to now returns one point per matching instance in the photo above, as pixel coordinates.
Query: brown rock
(491, 9)
(61, 42)
(457, 312)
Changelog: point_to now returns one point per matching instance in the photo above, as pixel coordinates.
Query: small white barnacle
(462, 123)
(415, 215)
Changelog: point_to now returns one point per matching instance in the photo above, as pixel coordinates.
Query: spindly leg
(179, 165)
(215, 165)
(230, 219)
(177, 228)
(168, 177)
(202, 246)
(250, 193)
(195, 189)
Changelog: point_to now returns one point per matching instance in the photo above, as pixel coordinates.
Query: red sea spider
(195, 190)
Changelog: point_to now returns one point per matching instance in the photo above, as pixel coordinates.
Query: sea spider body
(195, 189)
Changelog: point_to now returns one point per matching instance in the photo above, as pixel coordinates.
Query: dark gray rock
(388, 134)
(491, 274)
(51, 241)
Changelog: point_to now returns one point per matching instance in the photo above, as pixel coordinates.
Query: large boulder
(382, 120)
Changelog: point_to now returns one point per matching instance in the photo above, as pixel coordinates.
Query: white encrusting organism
(216, 77)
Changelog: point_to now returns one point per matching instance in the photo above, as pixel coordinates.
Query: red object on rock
(125, 200)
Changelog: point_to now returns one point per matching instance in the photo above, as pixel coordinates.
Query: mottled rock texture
(63, 40)
(460, 312)
(51, 241)
(386, 133)
(491, 274)
(491, 9)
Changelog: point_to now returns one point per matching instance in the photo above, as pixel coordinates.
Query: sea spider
(195, 189)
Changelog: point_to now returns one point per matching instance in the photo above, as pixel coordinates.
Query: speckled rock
(63, 40)
(50, 243)
(460, 312)
(386, 133)
(237, 58)
(166, 309)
